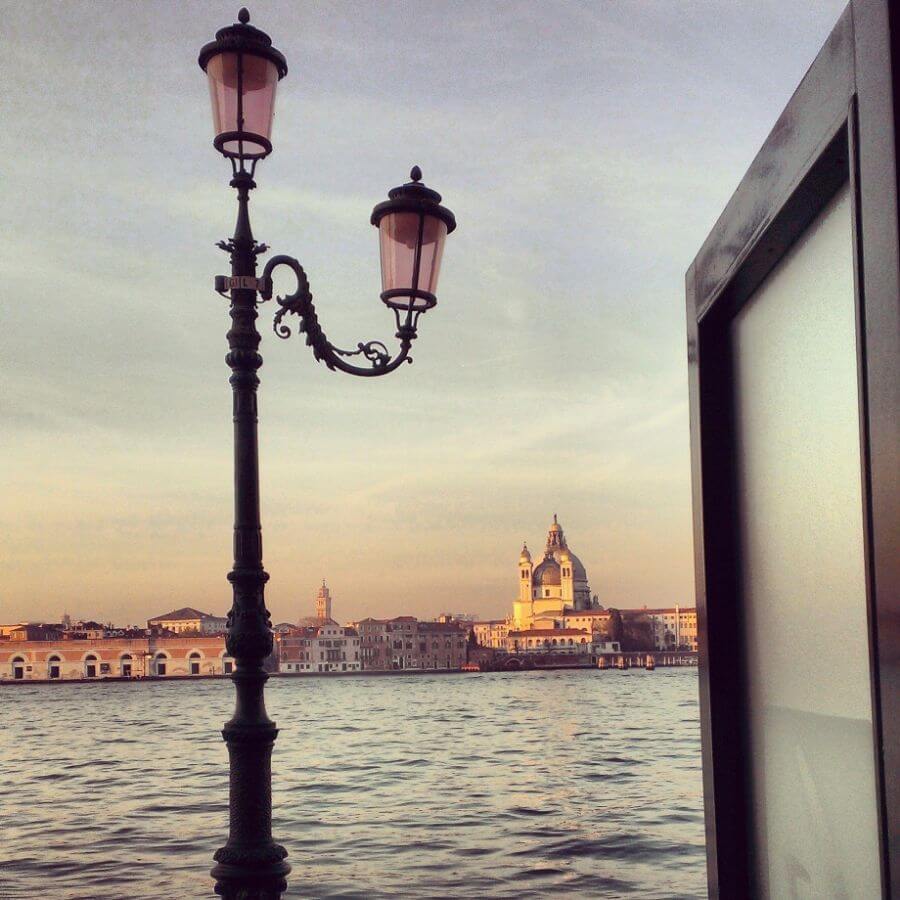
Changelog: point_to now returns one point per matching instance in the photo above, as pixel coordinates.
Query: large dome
(547, 573)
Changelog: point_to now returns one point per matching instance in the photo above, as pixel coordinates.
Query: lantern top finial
(244, 15)
(415, 173)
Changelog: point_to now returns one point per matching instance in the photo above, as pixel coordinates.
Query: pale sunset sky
(586, 148)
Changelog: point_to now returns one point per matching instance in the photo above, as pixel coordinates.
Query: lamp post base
(252, 882)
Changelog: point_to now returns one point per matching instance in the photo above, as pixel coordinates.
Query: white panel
(798, 464)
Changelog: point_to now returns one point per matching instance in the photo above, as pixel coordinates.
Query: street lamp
(243, 69)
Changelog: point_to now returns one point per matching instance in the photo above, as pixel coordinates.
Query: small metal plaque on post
(237, 282)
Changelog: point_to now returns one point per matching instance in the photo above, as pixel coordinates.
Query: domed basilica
(557, 585)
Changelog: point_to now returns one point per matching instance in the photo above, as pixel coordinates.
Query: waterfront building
(318, 643)
(406, 643)
(674, 627)
(491, 633)
(558, 583)
(580, 642)
(107, 657)
(188, 620)
(325, 648)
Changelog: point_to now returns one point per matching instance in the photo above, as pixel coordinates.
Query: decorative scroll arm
(300, 303)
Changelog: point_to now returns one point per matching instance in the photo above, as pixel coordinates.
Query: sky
(586, 150)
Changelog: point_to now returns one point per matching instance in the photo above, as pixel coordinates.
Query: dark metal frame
(840, 124)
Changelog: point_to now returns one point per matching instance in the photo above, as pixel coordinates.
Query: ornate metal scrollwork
(300, 303)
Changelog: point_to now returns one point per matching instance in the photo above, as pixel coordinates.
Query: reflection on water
(534, 784)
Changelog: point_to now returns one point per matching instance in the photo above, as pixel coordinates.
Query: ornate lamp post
(243, 69)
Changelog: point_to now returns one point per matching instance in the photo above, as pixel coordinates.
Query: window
(18, 668)
(90, 666)
(125, 665)
(194, 660)
(53, 666)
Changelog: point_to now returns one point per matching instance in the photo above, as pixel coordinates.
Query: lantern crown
(242, 37)
(414, 197)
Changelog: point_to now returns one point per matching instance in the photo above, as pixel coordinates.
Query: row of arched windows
(92, 667)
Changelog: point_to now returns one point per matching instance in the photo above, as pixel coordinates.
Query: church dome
(547, 573)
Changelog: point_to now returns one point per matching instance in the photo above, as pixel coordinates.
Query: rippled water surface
(534, 784)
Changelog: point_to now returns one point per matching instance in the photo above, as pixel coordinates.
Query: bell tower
(525, 570)
(323, 602)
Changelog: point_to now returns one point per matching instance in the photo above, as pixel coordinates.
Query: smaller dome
(547, 573)
(525, 556)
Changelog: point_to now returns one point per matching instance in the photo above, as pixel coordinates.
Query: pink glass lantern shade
(243, 70)
(242, 91)
(411, 250)
(412, 229)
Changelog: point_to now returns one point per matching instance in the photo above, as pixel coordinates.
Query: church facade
(553, 589)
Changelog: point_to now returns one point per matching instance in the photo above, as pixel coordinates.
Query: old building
(325, 648)
(674, 627)
(139, 657)
(557, 583)
(188, 620)
(491, 632)
(406, 643)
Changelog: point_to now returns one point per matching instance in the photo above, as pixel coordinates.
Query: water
(535, 784)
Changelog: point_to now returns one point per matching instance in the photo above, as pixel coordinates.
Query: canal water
(533, 784)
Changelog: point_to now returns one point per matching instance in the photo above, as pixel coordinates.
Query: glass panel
(803, 578)
(260, 81)
(399, 233)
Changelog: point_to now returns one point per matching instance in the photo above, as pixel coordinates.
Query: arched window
(554, 642)
(90, 666)
(53, 666)
(125, 665)
(18, 667)
(194, 661)
(160, 663)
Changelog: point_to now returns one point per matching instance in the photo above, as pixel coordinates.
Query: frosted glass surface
(803, 577)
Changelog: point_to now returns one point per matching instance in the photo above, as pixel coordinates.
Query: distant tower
(525, 568)
(323, 602)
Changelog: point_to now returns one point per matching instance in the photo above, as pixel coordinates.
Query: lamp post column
(250, 865)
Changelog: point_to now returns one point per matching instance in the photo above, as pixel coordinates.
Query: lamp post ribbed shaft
(251, 864)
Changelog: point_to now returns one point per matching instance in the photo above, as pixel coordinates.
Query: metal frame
(840, 124)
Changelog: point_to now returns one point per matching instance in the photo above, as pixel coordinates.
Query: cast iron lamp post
(243, 69)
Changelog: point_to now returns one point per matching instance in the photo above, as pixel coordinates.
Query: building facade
(557, 583)
(323, 648)
(99, 658)
(491, 633)
(406, 643)
(674, 627)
